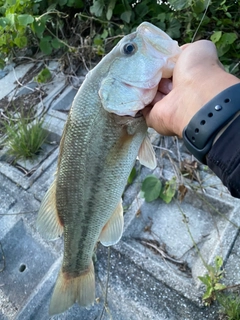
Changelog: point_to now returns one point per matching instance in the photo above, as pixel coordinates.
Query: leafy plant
(215, 290)
(153, 188)
(212, 281)
(59, 24)
(43, 76)
(132, 175)
(24, 139)
(230, 305)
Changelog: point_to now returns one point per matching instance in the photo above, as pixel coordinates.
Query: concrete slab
(62, 105)
(167, 225)
(23, 271)
(133, 294)
(8, 82)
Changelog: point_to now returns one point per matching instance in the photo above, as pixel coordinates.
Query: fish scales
(91, 197)
(100, 143)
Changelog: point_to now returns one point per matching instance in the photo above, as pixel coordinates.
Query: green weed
(43, 76)
(230, 305)
(215, 290)
(24, 139)
(153, 188)
(212, 281)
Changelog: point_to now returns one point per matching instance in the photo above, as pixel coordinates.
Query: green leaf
(151, 187)
(25, 19)
(21, 42)
(98, 40)
(215, 37)
(199, 6)
(208, 293)
(45, 45)
(206, 280)
(174, 28)
(43, 76)
(132, 175)
(39, 25)
(2, 63)
(169, 190)
(219, 286)
(180, 4)
(11, 18)
(11, 2)
(211, 271)
(110, 8)
(229, 38)
(97, 8)
(3, 39)
(161, 17)
(76, 4)
(142, 9)
(56, 43)
(224, 44)
(218, 262)
(4, 22)
(126, 16)
(62, 2)
(104, 34)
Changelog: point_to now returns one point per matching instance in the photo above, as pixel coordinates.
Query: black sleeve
(224, 158)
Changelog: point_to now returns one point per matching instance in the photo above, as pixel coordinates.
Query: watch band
(199, 134)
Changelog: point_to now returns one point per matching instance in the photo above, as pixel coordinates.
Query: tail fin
(69, 290)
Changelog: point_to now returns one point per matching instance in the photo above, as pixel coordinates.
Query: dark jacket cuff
(224, 158)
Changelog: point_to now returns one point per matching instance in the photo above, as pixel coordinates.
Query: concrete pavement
(144, 282)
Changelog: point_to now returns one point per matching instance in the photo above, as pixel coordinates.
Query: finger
(184, 46)
(165, 86)
(158, 97)
(154, 120)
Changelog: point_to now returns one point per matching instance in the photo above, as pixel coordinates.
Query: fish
(103, 135)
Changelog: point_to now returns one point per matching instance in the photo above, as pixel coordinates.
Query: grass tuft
(24, 139)
(230, 306)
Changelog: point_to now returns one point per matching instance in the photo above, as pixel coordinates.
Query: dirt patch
(31, 73)
(23, 104)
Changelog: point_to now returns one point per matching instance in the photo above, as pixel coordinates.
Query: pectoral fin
(146, 154)
(48, 222)
(113, 229)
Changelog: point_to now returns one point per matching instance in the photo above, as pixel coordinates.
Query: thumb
(154, 116)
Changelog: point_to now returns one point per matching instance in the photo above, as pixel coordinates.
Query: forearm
(224, 157)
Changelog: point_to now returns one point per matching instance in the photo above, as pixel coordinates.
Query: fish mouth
(151, 34)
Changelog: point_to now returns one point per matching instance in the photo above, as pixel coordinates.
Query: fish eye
(129, 48)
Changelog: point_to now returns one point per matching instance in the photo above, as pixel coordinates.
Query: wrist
(201, 132)
(201, 92)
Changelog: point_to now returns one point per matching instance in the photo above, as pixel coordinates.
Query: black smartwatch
(199, 134)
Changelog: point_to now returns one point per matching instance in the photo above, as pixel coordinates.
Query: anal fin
(113, 229)
(48, 222)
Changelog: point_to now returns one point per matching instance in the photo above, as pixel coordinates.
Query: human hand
(198, 76)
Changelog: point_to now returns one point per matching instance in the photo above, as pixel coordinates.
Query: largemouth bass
(103, 135)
